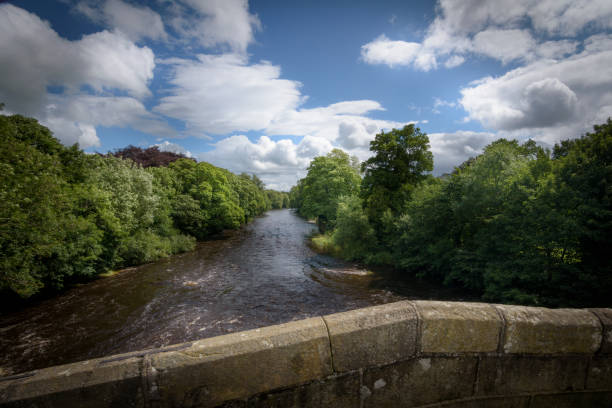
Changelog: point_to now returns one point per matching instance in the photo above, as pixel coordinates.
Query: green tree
(45, 238)
(354, 234)
(400, 162)
(329, 178)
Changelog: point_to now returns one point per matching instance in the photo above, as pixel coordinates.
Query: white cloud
(454, 61)
(556, 49)
(506, 31)
(569, 17)
(452, 149)
(167, 146)
(279, 164)
(212, 23)
(333, 122)
(70, 132)
(504, 45)
(553, 99)
(223, 93)
(135, 22)
(392, 53)
(34, 57)
(353, 135)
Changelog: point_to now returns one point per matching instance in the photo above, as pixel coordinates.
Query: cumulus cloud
(569, 17)
(70, 132)
(278, 163)
(215, 23)
(504, 45)
(352, 135)
(281, 163)
(496, 29)
(556, 49)
(345, 123)
(384, 51)
(219, 94)
(454, 61)
(555, 99)
(224, 93)
(452, 149)
(135, 22)
(34, 58)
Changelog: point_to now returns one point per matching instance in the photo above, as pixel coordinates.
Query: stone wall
(405, 354)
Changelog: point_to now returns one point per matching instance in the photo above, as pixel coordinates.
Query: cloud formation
(35, 58)
(136, 23)
(215, 23)
(278, 163)
(552, 99)
(495, 29)
(452, 149)
(219, 94)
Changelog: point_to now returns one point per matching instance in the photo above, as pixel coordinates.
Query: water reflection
(263, 274)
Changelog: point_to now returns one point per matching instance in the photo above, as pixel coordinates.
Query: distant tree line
(66, 216)
(518, 223)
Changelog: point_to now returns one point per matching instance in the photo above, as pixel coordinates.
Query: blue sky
(265, 86)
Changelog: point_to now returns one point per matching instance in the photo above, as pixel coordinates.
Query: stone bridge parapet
(404, 354)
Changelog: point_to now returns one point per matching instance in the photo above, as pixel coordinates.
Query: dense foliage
(66, 216)
(149, 157)
(329, 178)
(518, 223)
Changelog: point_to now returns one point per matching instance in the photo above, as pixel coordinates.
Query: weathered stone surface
(338, 391)
(509, 375)
(573, 400)
(419, 381)
(600, 374)
(488, 402)
(240, 365)
(605, 316)
(92, 383)
(457, 327)
(372, 336)
(537, 330)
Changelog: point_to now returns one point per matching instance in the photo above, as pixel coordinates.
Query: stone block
(372, 336)
(488, 402)
(605, 316)
(338, 391)
(537, 330)
(419, 381)
(240, 365)
(91, 383)
(511, 375)
(573, 400)
(458, 327)
(600, 373)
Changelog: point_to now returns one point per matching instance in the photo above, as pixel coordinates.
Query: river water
(260, 275)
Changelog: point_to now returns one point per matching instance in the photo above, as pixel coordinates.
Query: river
(262, 274)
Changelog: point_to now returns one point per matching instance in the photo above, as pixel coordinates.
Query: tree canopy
(67, 216)
(517, 223)
(329, 178)
(149, 157)
(400, 161)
